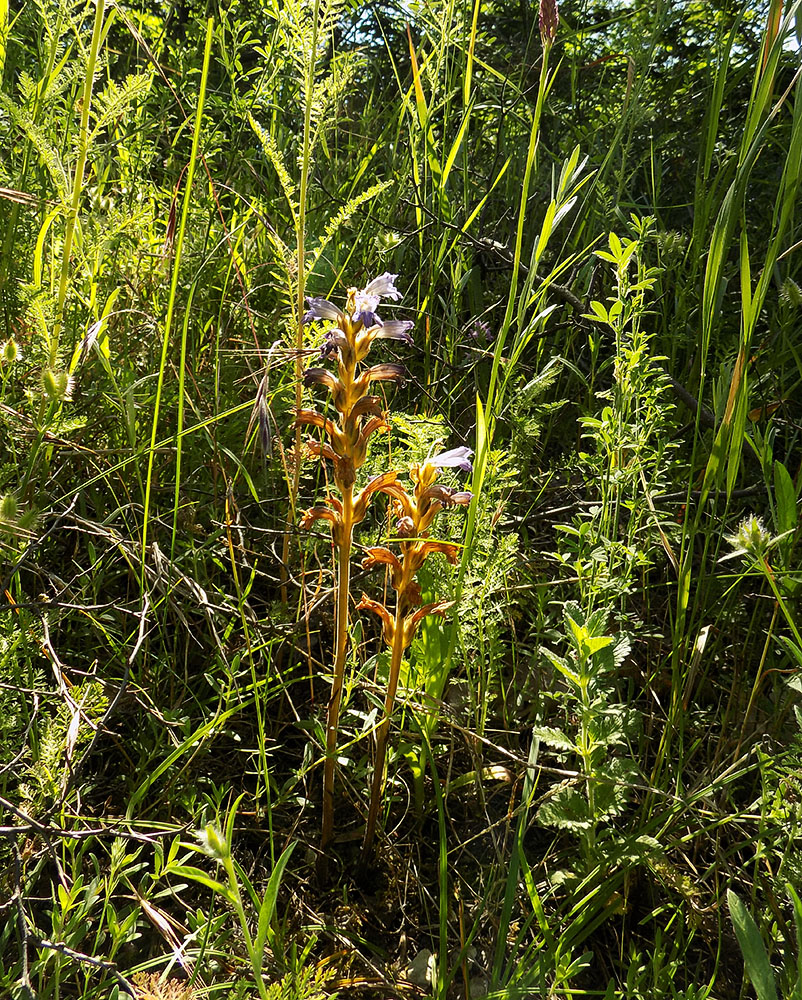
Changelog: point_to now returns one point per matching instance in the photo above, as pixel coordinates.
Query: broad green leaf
(612, 787)
(554, 737)
(785, 498)
(567, 809)
(756, 961)
(268, 907)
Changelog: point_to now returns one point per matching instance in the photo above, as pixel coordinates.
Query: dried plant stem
(341, 650)
(383, 731)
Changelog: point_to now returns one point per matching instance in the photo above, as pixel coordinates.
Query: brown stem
(341, 649)
(383, 731)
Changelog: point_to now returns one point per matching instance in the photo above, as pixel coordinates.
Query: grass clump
(562, 759)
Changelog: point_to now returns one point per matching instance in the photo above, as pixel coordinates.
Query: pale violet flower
(367, 299)
(321, 309)
(456, 458)
(383, 286)
(397, 329)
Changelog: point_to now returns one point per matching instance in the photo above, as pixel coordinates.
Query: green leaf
(566, 809)
(785, 497)
(199, 876)
(756, 961)
(554, 737)
(613, 787)
(268, 907)
(561, 664)
(791, 648)
(455, 148)
(599, 312)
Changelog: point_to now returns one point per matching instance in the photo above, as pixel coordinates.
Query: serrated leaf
(612, 783)
(566, 808)
(561, 664)
(554, 738)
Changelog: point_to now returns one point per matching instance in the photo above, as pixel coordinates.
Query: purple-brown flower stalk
(345, 443)
(549, 18)
(415, 512)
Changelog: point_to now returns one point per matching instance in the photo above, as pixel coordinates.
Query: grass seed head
(57, 385)
(11, 351)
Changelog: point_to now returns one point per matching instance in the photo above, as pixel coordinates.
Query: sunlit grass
(582, 780)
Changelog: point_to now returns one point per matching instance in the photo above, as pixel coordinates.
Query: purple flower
(397, 329)
(321, 309)
(383, 286)
(457, 458)
(367, 299)
(479, 330)
(333, 339)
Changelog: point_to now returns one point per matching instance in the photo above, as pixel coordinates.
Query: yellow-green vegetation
(400, 456)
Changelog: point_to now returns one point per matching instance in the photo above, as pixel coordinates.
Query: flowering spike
(549, 20)
(359, 416)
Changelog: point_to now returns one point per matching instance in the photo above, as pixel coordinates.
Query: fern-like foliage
(113, 102)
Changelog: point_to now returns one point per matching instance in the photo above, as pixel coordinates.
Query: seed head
(213, 842)
(751, 538)
(11, 351)
(58, 385)
(9, 508)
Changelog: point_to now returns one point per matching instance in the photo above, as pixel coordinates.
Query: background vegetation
(593, 780)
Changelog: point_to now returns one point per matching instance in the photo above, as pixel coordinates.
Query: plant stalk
(335, 700)
(383, 731)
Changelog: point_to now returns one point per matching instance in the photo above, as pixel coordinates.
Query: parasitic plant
(416, 511)
(359, 415)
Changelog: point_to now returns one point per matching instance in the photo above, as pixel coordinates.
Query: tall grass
(585, 779)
